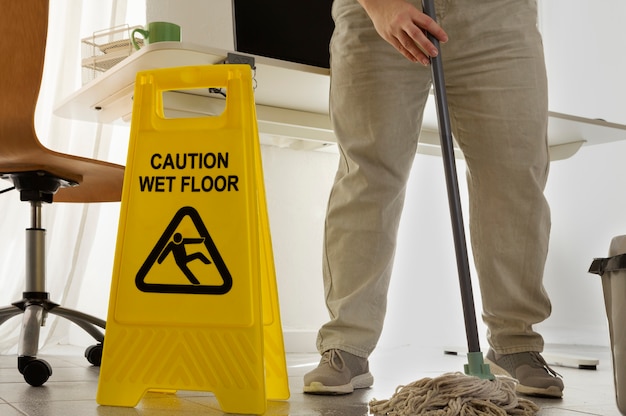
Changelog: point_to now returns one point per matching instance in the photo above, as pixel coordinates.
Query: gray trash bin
(612, 269)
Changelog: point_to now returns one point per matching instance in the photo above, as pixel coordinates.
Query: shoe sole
(362, 381)
(551, 392)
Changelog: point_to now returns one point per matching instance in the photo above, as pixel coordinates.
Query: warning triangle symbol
(172, 243)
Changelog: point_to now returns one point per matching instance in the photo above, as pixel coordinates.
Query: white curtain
(80, 237)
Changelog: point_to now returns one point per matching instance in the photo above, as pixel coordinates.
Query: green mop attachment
(477, 367)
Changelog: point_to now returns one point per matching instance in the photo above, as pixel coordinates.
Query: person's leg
(377, 98)
(497, 90)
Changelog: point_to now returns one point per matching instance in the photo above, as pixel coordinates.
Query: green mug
(157, 32)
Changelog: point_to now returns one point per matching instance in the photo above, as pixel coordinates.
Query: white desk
(292, 102)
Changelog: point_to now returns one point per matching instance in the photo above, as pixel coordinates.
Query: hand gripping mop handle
(476, 367)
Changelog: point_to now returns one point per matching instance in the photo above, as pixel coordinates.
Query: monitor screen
(290, 30)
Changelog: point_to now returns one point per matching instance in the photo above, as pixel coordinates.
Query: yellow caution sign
(194, 302)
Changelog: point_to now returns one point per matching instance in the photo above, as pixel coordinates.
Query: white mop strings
(455, 394)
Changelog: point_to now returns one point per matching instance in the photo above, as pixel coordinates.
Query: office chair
(40, 176)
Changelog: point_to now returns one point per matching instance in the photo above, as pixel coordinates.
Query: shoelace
(537, 358)
(330, 357)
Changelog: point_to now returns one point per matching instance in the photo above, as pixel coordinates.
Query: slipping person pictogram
(176, 246)
(173, 242)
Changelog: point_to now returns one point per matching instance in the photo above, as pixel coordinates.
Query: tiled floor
(72, 388)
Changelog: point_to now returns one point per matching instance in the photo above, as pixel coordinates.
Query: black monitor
(289, 30)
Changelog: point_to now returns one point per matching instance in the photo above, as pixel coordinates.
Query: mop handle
(456, 214)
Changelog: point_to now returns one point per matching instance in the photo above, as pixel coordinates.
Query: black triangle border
(209, 244)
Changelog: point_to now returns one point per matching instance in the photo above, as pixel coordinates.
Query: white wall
(585, 44)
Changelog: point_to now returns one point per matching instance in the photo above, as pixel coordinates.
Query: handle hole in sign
(194, 103)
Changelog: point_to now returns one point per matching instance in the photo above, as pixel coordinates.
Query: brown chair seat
(23, 45)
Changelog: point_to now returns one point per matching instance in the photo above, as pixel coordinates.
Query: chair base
(37, 188)
(35, 306)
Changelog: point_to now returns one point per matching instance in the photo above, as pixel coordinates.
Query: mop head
(455, 394)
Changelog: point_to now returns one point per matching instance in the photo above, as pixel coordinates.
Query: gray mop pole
(476, 366)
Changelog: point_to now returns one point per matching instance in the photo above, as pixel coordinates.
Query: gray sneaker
(534, 376)
(338, 372)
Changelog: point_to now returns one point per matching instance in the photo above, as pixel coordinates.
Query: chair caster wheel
(35, 371)
(93, 354)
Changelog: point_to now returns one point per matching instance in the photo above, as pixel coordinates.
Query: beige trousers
(497, 93)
